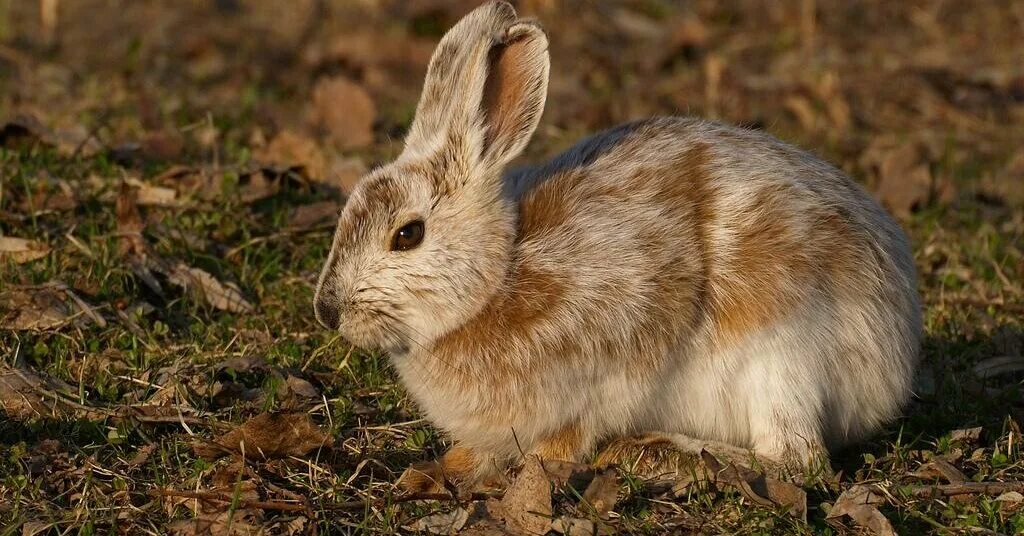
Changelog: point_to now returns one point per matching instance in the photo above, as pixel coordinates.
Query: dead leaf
(31, 528)
(19, 134)
(314, 215)
(573, 526)
(26, 395)
(903, 177)
(939, 468)
(258, 185)
(526, 506)
(243, 364)
(144, 262)
(292, 150)
(44, 307)
(224, 523)
(150, 195)
(442, 522)
(757, 487)
(223, 296)
(22, 250)
(345, 111)
(603, 491)
(967, 435)
(50, 195)
(163, 144)
(19, 398)
(996, 366)
(301, 387)
(858, 503)
(269, 435)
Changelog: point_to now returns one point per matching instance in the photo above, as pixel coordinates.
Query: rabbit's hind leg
(656, 455)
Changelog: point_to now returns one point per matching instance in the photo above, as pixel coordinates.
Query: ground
(169, 174)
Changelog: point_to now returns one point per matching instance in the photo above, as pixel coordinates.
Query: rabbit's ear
(485, 86)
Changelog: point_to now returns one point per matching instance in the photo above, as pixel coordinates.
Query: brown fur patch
(459, 463)
(768, 264)
(566, 445)
(532, 296)
(681, 281)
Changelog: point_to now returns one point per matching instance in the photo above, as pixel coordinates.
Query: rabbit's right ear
(485, 87)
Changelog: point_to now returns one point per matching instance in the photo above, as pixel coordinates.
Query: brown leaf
(345, 111)
(150, 195)
(243, 364)
(258, 185)
(22, 250)
(19, 399)
(143, 261)
(289, 149)
(967, 435)
(603, 491)
(858, 503)
(224, 523)
(269, 435)
(49, 195)
(572, 526)
(757, 487)
(26, 395)
(314, 214)
(939, 468)
(163, 144)
(442, 522)
(223, 296)
(26, 132)
(526, 506)
(45, 307)
(301, 387)
(903, 178)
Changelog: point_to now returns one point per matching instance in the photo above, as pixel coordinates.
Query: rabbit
(670, 276)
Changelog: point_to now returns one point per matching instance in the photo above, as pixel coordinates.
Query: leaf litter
(146, 263)
(930, 72)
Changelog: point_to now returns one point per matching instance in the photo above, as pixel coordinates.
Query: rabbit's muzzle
(327, 308)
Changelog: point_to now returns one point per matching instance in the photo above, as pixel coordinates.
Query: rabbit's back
(681, 240)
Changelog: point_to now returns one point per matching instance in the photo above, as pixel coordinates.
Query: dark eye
(408, 237)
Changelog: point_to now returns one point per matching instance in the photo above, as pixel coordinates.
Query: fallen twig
(966, 488)
(68, 405)
(306, 507)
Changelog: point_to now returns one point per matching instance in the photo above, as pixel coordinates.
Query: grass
(83, 474)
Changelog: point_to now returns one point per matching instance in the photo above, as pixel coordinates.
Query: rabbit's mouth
(374, 331)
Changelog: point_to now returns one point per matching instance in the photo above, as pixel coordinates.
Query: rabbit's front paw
(457, 469)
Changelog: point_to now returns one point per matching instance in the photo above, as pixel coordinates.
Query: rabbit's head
(424, 242)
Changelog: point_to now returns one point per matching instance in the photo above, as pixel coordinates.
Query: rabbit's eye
(408, 237)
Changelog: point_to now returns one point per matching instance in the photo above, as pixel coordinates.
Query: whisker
(429, 351)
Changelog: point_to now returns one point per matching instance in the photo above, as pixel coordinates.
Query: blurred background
(908, 96)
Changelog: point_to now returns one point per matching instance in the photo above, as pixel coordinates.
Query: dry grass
(923, 102)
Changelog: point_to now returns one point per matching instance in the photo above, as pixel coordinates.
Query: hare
(670, 275)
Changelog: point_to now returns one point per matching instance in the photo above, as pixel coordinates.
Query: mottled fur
(671, 275)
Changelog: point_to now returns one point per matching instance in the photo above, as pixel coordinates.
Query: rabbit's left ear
(514, 93)
(485, 87)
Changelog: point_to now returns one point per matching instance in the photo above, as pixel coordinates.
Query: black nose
(327, 309)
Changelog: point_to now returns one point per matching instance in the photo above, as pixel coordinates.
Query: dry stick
(305, 507)
(966, 488)
(128, 412)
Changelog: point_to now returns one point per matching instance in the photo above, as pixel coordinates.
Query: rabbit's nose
(328, 310)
